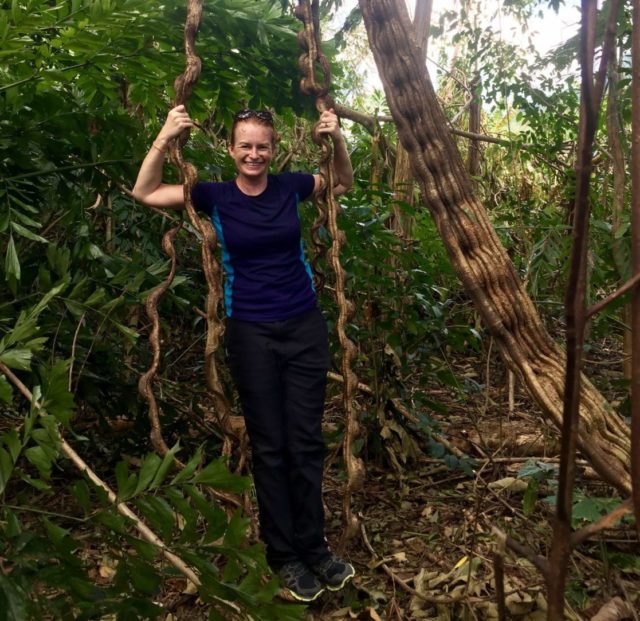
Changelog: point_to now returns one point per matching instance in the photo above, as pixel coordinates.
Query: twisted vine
(309, 40)
(183, 85)
(309, 60)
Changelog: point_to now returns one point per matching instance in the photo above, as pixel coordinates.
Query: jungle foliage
(85, 86)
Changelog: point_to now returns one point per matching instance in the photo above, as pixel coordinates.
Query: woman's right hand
(177, 121)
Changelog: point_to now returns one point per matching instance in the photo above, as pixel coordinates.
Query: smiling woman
(276, 339)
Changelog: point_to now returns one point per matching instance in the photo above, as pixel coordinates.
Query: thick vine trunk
(478, 257)
(403, 181)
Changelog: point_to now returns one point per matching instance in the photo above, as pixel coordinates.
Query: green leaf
(6, 468)
(218, 475)
(538, 470)
(236, 530)
(38, 456)
(11, 262)
(148, 471)
(80, 491)
(12, 602)
(215, 516)
(185, 473)
(182, 507)
(159, 514)
(25, 232)
(131, 335)
(55, 532)
(125, 481)
(57, 399)
(17, 359)
(530, 496)
(12, 440)
(143, 576)
(38, 484)
(167, 462)
(26, 220)
(12, 525)
(6, 391)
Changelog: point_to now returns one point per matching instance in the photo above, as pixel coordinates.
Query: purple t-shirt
(267, 277)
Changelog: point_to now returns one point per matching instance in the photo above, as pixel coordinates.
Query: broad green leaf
(167, 462)
(236, 530)
(143, 576)
(56, 533)
(12, 526)
(80, 491)
(26, 220)
(57, 400)
(530, 496)
(132, 335)
(38, 484)
(12, 441)
(12, 602)
(185, 473)
(114, 521)
(183, 507)
(6, 390)
(17, 359)
(125, 481)
(28, 234)
(38, 456)
(97, 296)
(11, 262)
(159, 514)
(218, 475)
(215, 516)
(148, 471)
(6, 468)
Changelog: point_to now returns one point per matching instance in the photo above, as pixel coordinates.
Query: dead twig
(515, 546)
(431, 599)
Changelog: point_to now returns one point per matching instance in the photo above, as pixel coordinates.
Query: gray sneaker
(300, 581)
(334, 572)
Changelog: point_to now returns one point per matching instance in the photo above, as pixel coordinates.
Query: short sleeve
(202, 197)
(302, 184)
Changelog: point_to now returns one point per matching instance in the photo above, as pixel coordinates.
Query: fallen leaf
(427, 511)
(510, 484)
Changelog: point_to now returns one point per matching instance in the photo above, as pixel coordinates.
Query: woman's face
(252, 148)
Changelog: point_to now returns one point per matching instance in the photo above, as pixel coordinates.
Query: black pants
(280, 371)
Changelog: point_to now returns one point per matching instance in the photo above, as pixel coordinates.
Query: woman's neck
(252, 186)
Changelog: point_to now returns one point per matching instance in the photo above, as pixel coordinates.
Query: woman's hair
(261, 117)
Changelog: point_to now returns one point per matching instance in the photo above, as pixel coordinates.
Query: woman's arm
(149, 188)
(342, 170)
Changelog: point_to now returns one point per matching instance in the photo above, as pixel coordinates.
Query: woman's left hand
(329, 124)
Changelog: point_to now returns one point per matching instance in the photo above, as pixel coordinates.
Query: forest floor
(429, 515)
(431, 526)
(427, 543)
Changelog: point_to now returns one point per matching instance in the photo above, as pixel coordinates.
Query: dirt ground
(430, 526)
(429, 530)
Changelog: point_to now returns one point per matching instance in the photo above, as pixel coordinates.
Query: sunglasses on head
(247, 113)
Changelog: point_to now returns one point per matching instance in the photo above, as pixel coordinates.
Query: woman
(275, 336)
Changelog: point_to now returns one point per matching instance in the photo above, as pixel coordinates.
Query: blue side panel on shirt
(226, 262)
(303, 258)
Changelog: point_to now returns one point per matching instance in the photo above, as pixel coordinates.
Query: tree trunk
(478, 257)
(403, 181)
(615, 138)
(475, 115)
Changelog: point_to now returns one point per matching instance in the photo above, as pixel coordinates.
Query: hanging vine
(183, 85)
(310, 60)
